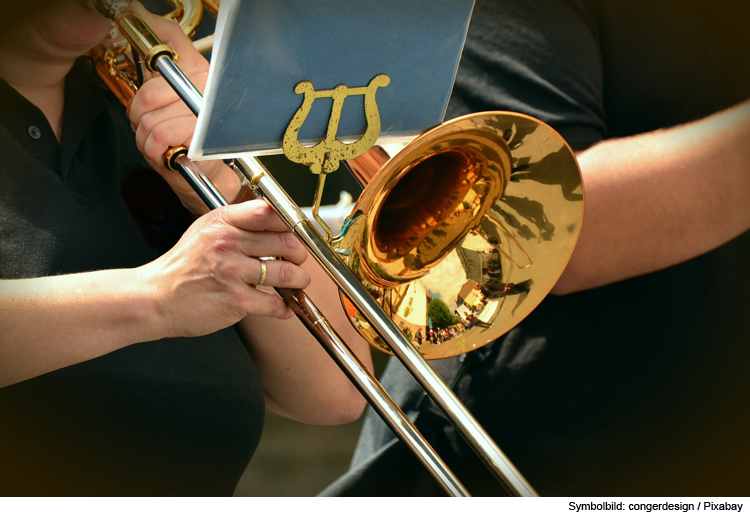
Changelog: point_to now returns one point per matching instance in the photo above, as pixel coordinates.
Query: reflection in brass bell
(480, 214)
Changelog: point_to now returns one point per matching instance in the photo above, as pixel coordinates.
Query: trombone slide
(265, 186)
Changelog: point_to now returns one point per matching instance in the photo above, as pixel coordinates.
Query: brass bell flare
(463, 233)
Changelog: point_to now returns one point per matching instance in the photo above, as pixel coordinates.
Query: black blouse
(169, 417)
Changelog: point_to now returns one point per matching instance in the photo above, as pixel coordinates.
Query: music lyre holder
(159, 58)
(324, 157)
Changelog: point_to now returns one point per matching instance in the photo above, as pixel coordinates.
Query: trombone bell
(496, 212)
(464, 231)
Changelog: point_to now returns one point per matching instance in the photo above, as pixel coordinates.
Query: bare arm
(659, 199)
(300, 379)
(54, 322)
(205, 283)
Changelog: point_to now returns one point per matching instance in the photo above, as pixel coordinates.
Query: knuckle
(154, 152)
(215, 222)
(237, 301)
(227, 271)
(306, 280)
(149, 94)
(160, 133)
(276, 306)
(172, 28)
(294, 249)
(288, 240)
(148, 121)
(259, 210)
(286, 273)
(224, 243)
(217, 217)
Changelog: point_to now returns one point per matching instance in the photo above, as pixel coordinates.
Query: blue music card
(275, 60)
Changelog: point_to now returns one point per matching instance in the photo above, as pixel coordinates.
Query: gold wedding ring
(263, 272)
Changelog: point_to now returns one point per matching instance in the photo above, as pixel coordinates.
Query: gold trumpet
(476, 219)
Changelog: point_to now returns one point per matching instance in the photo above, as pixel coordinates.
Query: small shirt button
(34, 132)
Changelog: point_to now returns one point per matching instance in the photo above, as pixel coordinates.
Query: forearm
(301, 380)
(54, 322)
(203, 284)
(656, 200)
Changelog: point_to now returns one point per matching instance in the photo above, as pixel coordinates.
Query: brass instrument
(497, 234)
(112, 58)
(485, 235)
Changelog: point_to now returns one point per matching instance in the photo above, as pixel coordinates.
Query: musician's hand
(208, 280)
(161, 120)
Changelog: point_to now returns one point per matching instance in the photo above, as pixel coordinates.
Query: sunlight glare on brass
(483, 213)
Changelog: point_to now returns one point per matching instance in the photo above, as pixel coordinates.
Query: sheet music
(264, 48)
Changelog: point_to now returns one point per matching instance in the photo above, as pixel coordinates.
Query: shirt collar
(28, 126)
(84, 102)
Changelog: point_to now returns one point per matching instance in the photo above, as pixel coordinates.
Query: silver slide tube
(267, 187)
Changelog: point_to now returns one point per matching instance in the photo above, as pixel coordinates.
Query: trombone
(477, 148)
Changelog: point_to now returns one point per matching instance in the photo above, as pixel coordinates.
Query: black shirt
(169, 417)
(639, 387)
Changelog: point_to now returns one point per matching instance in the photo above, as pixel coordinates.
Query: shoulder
(596, 69)
(539, 58)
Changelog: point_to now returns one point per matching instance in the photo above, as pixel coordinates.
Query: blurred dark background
(294, 459)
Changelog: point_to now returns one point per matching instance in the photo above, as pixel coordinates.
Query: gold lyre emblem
(324, 157)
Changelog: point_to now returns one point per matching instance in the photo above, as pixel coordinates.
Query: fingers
(152, 95)
(252, 229)
(230, 241)
(154, 143)
(252, 301)
(254, 215)
(272, 244)
(260, 303)
(156, 105)
(279, 274)
(249, 270)
(157, 93)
